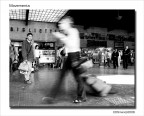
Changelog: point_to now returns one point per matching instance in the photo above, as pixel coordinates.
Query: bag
(87, 64)
(23, 67)
(94, 83)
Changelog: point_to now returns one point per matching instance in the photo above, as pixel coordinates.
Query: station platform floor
(30, 95)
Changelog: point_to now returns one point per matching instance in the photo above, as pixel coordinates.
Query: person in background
(115, 59)
(71, 40)
(119, 58)
(58, 59)
(20, 55)
(100, 57)
(28, 55)
(126, 54)
(62, 54)
(105, 58)
(13, 56)
(94, 56)
(108, 56)
(132, 57)
(37, 55)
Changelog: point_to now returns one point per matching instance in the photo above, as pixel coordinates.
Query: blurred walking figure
(70, 38)
(28, 55)
(126, 54)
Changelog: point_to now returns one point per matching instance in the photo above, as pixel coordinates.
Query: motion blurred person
(28, 55)
(71, 39)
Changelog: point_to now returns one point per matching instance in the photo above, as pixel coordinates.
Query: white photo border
(4, 47)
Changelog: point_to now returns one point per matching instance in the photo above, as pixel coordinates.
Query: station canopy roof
(43, 15)
(110, 19)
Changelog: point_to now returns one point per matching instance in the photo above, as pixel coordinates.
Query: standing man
(70, 38)
(126, 53)
(28, 55)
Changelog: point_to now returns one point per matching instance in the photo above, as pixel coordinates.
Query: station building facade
(91, 37)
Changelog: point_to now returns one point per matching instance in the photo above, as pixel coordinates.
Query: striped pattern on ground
(119, 100)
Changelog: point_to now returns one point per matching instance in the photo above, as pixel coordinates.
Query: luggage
(23, 67)
(82, 65)
(96, 85)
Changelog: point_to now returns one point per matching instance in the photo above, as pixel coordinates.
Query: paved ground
(23, 95)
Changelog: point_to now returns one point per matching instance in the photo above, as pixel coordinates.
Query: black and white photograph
(72, 58)
(76, 57)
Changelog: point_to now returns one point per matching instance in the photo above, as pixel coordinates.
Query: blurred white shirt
(72, 41)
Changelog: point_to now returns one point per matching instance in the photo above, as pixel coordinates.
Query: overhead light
(119, 17)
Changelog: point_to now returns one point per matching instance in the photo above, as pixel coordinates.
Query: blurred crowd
(107, 57)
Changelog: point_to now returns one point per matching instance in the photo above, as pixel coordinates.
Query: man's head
(29, 36)
(65, 23)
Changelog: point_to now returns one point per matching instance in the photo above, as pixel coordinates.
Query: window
(29, 30)
(11, 29)
(82, 35)
(23, 29)
(50, 30)
(45, 30)
(40, 30)
(35, 30)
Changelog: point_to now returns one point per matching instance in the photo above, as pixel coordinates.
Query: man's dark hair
(29, 34)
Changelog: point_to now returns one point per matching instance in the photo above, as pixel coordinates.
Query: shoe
(27, 82)
(79, 100)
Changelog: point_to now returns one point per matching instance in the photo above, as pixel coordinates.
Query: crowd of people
(102, 56)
